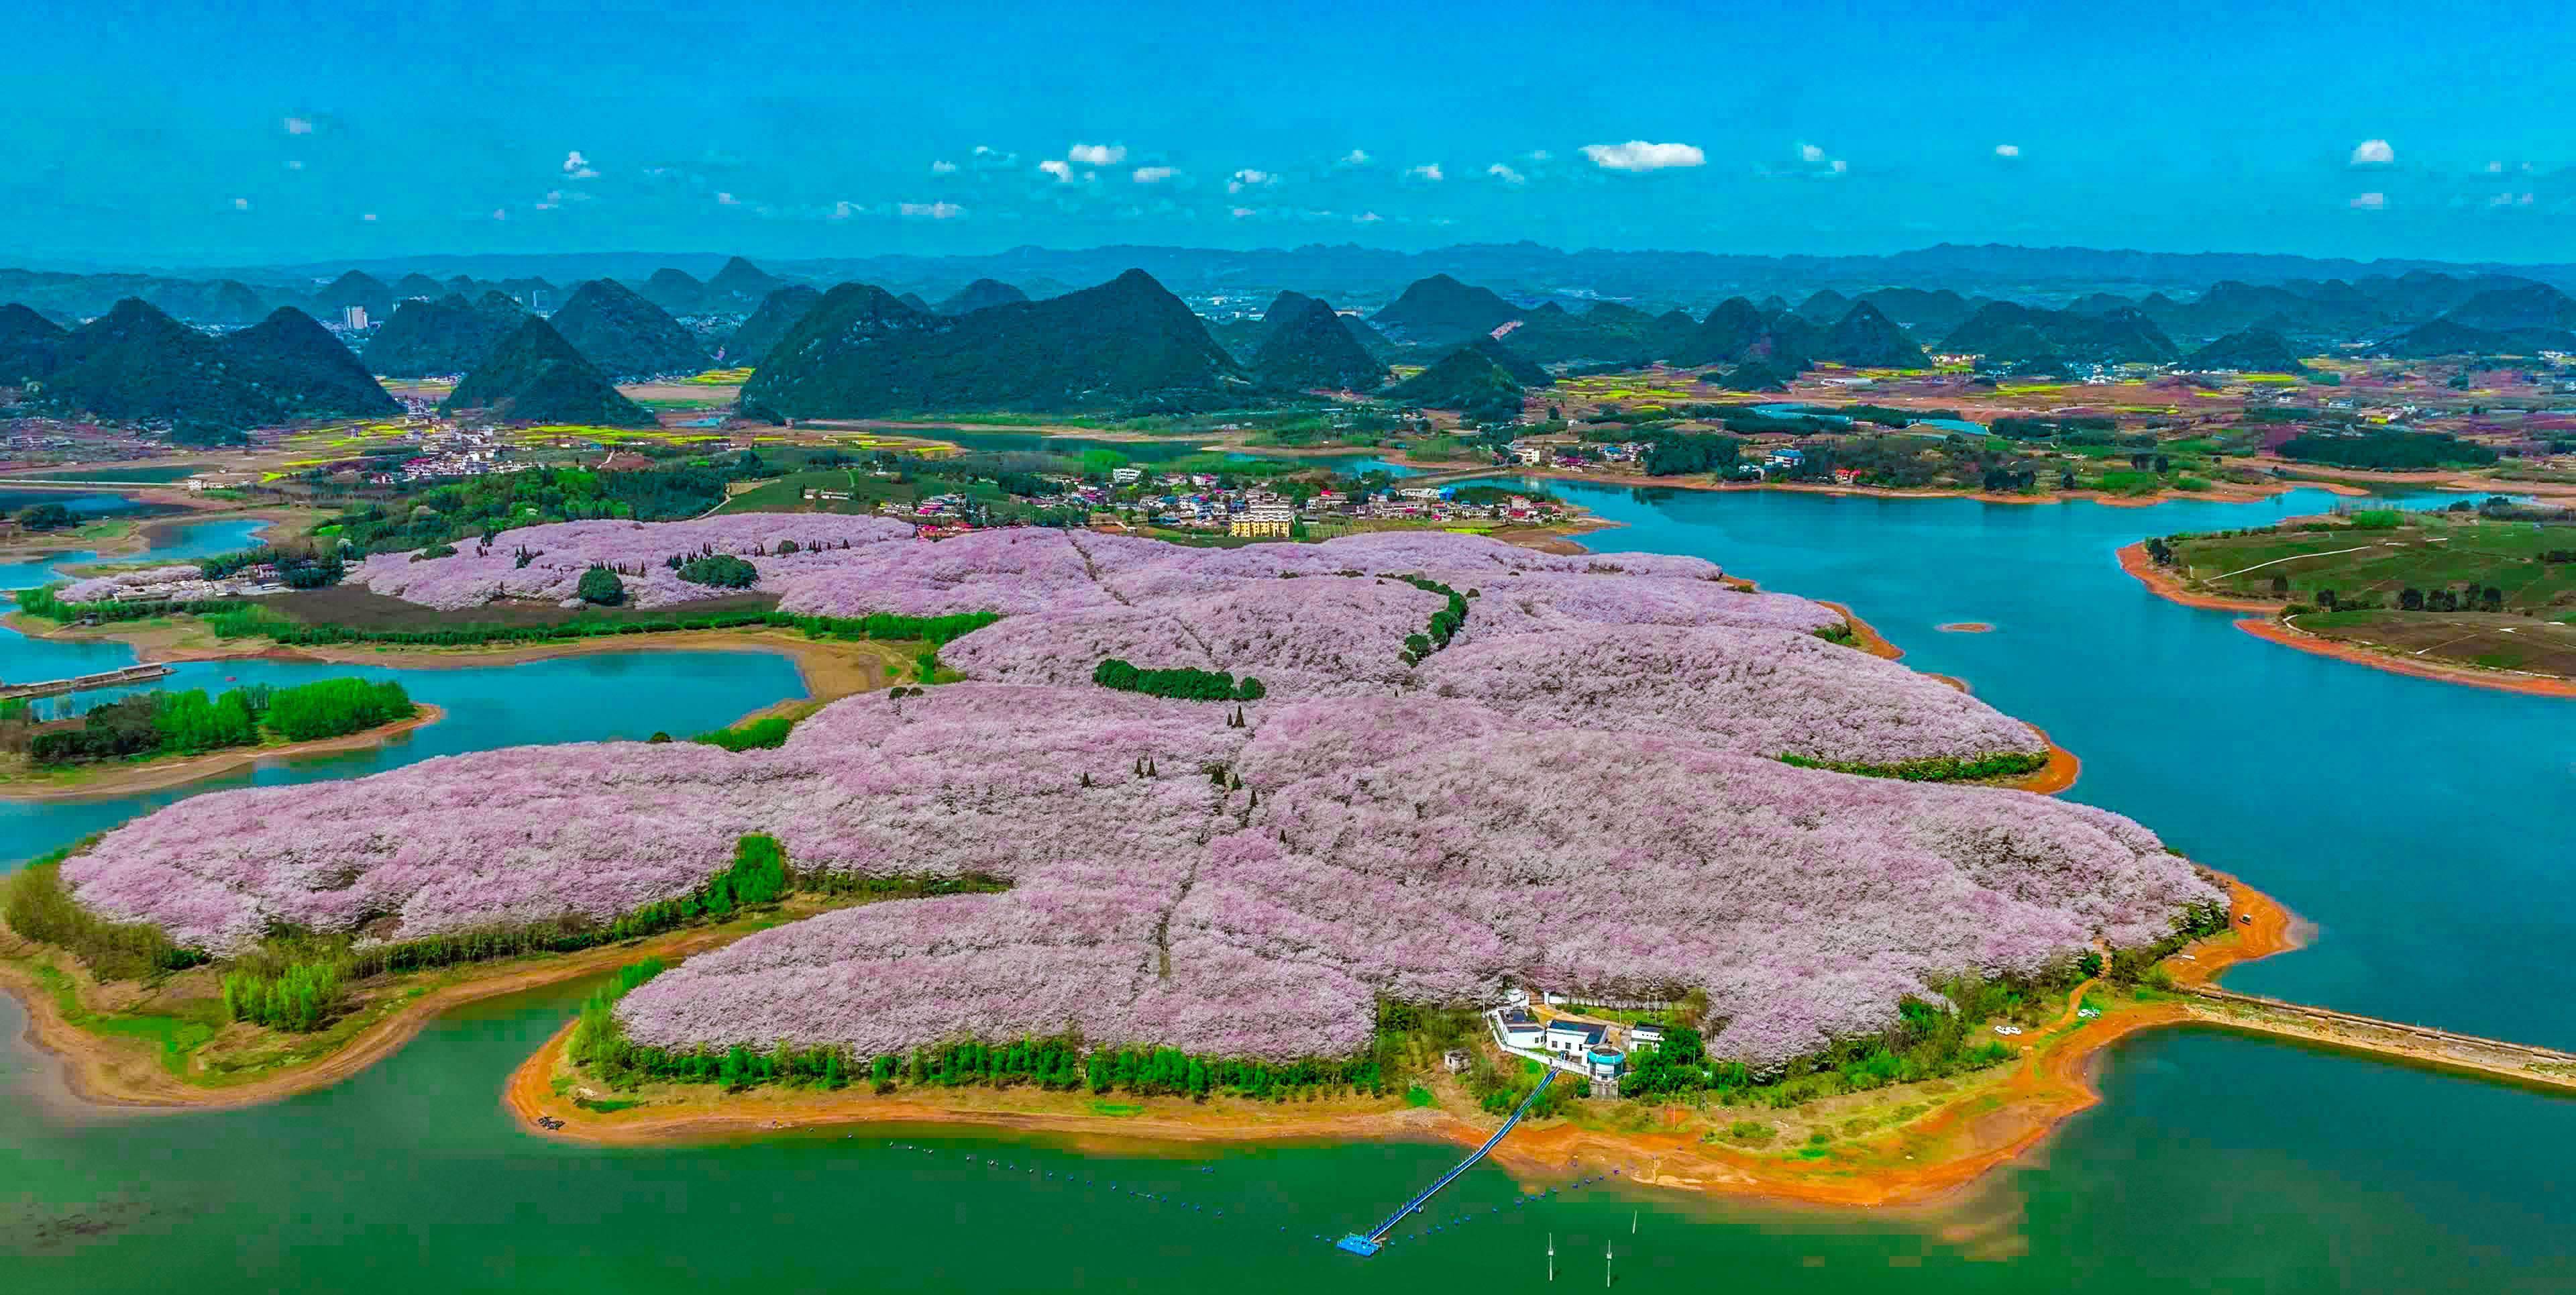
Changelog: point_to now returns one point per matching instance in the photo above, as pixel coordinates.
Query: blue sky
(186, 134)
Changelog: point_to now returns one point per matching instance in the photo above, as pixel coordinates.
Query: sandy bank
(156, 775)
(1988, 1125)
(2273, 631)
(2267, 626)
(1864, 635)
(2168, 586)
(128, 1072)
(1965, 627)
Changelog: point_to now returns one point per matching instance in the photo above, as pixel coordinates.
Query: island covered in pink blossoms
(1579, 783)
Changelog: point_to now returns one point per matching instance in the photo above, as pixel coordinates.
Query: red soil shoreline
(2265, 626)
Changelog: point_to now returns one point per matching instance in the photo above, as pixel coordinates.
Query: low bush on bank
(2012, 764)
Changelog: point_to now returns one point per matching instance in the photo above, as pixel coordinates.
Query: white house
(1126, 476)
(1521, 1030)
(1574, 1038)
(1645, 1036)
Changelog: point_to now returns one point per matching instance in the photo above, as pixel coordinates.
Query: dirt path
(160, 774)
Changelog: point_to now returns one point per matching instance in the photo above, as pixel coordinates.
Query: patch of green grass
(176, 1036)
(1417, 1096)
(1117, 1108)
(604, 1108)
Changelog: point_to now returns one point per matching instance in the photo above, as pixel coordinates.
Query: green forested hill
(1311, 349)
(627, 337)
(310, 373)
(1126, 344)
(427, 339)
(779, 313)
(136, 364)
(534, 375)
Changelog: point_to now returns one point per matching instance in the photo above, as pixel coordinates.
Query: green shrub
(334, 707)
(720, 571)
(600, 587)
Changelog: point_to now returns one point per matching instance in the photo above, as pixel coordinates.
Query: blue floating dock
(1375, 1241)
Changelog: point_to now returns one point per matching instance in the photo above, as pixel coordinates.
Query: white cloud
(1154, 174)
(1240, 212)
(1540, 155)
(1427, 171)
(2369, 201)
(1061, 170)
(1639, 155)
(727, 200)
(500, 213)
(1506, 174)
(298, 125)
(943, 168)
(986, 150)
(1841, 166)
(2007, 150)
(578, 167)
(2509, 199)
(1248, 178)
(843, 210)
(1811, 153)
(930, 210)
(1367, 218)
(1356, 157)
(241, 204)
(1097, 154)
(2495, 168)
(370, 218)
(2373, 152)
(294, 164)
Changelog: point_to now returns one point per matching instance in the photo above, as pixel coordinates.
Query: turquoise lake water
(2424, 827)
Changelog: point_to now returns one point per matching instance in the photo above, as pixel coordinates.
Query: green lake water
(2425, 827)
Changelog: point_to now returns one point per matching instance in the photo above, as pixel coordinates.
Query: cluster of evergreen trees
(1184, 683)
(302, 996)
(185, 722)
(333, 707)
(2388, 451)
(1669, 453)
(1444, 622)
(718, 570)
